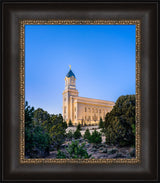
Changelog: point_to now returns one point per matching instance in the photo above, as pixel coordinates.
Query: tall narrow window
(92, 110)
(85, 109)
(65, 109)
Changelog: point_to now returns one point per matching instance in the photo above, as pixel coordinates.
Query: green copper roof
(70, 74)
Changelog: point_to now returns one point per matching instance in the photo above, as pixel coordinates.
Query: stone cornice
(93, 101)
(69, 90)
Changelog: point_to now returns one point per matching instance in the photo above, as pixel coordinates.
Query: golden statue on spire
(70, 67)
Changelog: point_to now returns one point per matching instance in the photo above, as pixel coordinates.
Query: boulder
(132, 152)
(120, 155)
(81, 140)
(93, 149)
(112, 151)
(87, 145)
(105, 150)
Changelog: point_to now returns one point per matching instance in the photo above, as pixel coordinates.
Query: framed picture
(101, 131)
(80, 91)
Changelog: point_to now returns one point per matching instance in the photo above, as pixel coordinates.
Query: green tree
(69, 135)
(29, 126)
(57, 130)
(77, 134)
(36, 139)
(70, 123)
(133, 128)
(119, 125)
(79, 126)
(101, 123)
(29, 113)
(95, 137)
(40, 116)
(41, 141)
(87, 134)
(42, 131)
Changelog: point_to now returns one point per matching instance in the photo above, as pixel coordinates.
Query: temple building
(86, 111)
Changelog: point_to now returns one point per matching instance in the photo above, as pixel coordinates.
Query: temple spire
(70, 73)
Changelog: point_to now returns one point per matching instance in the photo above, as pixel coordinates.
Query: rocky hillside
(99, 151)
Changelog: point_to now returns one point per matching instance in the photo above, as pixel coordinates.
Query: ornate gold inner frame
(135, 160)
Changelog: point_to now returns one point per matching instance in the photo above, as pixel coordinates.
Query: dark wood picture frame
(12, 168)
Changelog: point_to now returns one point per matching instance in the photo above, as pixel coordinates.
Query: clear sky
(102, 58)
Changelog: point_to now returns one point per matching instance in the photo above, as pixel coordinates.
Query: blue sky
(102, 58)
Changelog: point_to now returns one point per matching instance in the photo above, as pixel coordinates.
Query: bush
(69, 135)
(77, 151)
(77, 134)
(87, 134)
(95, 137)
(74, 151)
(61, 155)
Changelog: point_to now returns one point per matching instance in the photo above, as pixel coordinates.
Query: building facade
(86, 111)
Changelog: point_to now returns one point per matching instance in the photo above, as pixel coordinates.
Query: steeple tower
(69, 92)
(70, 80)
